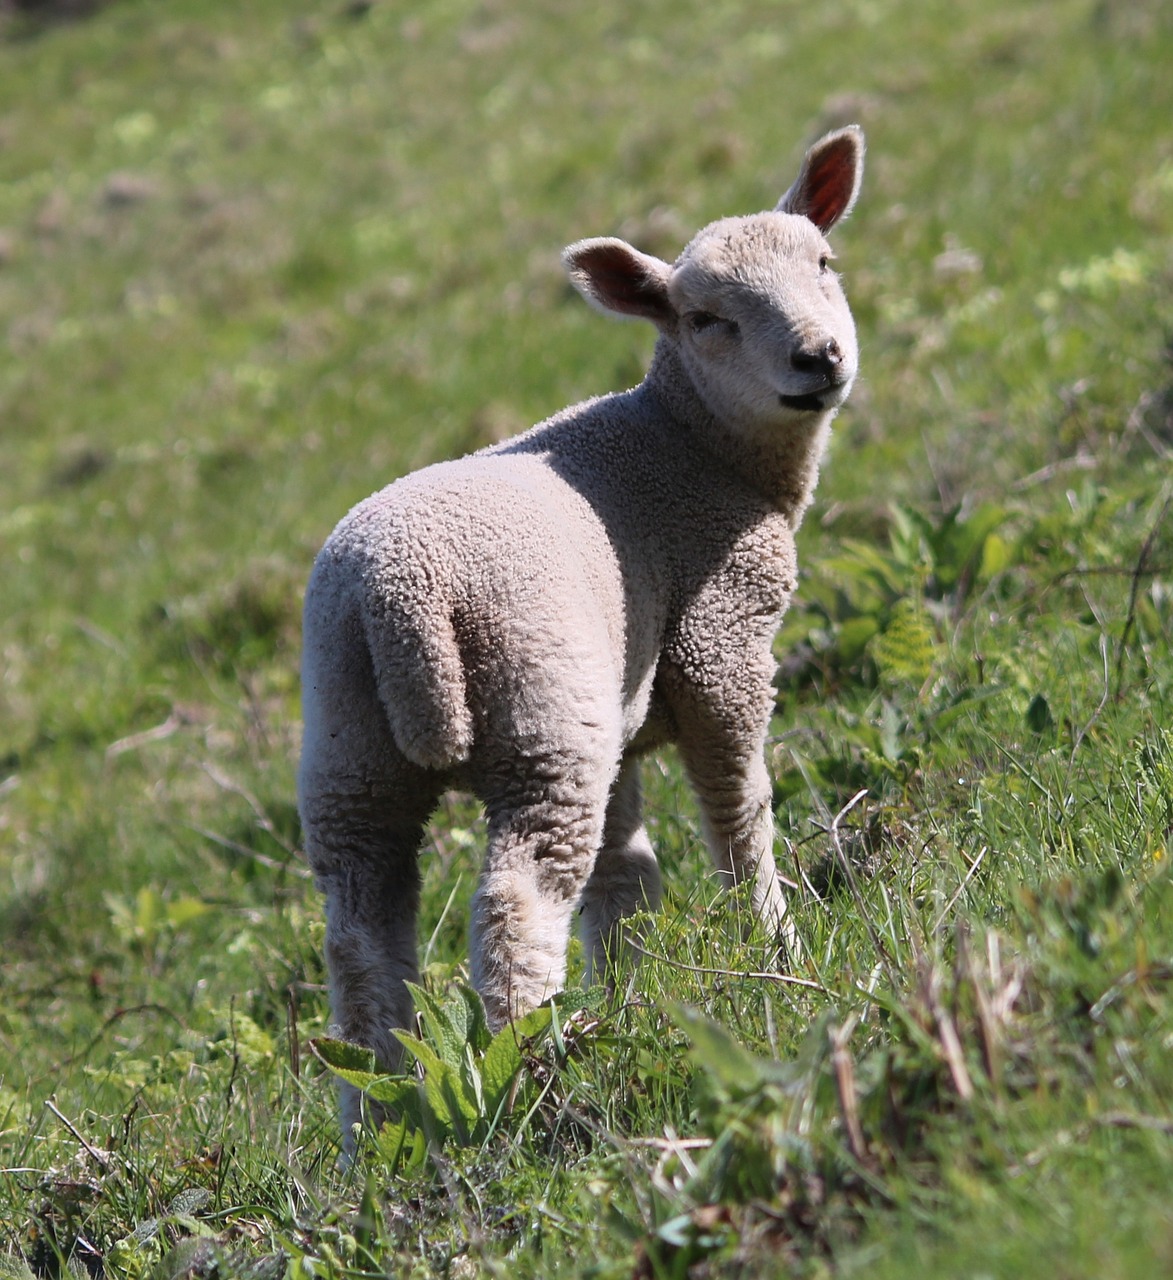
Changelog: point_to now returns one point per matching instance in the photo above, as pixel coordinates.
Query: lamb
(526, 622)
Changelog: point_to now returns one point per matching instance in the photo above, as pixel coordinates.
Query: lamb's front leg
(722, 744)
(736, 803)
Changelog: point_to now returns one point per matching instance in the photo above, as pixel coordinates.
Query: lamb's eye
(701, 320)
(824, 263)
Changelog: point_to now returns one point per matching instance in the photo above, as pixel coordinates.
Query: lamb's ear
(617, 278)
(828, 183)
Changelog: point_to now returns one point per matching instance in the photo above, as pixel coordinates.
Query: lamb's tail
(420, 675)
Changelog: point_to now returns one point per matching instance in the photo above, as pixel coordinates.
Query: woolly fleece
(525, 622)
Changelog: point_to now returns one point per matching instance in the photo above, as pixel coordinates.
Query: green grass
(256, 261)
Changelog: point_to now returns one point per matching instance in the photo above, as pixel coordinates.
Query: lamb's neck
(782, 465)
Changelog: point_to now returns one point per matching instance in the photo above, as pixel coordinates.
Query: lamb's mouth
(809, 403)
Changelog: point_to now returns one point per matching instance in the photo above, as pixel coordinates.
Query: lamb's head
(752, 306)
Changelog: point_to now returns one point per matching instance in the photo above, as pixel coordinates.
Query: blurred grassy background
(256, 261)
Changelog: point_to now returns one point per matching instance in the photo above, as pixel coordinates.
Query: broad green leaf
(397, 1092)
(344, 1055)
(499, 1067)
(532, 1025)
(442, 1116)
(421, 1051)
(452, 1106)
(741, 1072)
(391, 1140)
(959, 543)
(464, 1104)
(445, 1022)
(470, 1081)
(148, 910)
(868, 577)
(356, 1065)
(502, 1058)
(183, 910)
(730, 1065)
(478, 1025)
(402, 1144)
(995, 556)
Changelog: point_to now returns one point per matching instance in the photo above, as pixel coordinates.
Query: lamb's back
(585, 541)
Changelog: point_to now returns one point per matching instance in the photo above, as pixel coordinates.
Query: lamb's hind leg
(363, 810)
(365, 862)
(626, 878)
(371, 901)
(544, 831)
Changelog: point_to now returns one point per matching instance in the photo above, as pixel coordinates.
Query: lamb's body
(525, 622)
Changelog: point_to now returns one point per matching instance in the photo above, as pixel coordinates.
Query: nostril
(823, 361)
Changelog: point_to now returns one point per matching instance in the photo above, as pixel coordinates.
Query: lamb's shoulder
(719, 645)
(760, 571)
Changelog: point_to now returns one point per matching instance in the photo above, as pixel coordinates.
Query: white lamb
(526, 622)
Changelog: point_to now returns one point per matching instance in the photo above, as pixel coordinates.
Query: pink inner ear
(621, 282)
(829, 185)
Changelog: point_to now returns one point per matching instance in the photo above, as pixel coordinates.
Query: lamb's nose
(823, 361)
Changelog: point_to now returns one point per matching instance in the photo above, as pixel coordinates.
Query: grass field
(258, 260)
